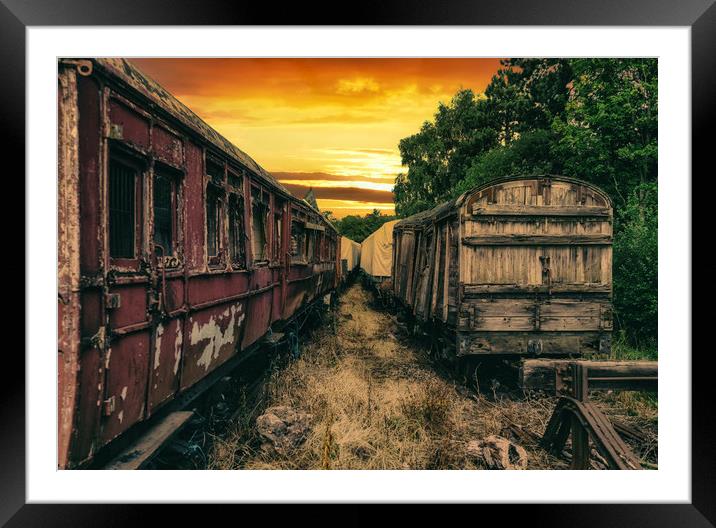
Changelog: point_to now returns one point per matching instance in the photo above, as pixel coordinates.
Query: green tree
(609, 132)
(357, 228)
(328, 215)
(440, 153)
(528, 154)
(593, 119)
(527, 94)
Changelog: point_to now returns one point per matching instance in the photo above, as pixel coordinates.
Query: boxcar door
(536, 268)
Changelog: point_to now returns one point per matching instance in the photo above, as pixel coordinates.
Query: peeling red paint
(141, 334)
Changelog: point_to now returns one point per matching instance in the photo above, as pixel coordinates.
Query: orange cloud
(357, 85)
(338, 121)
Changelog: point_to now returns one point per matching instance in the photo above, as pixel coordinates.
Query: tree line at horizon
(592, 119)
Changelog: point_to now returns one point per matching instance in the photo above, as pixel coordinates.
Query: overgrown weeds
(378, 403)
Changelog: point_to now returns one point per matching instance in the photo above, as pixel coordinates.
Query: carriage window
(276, 236)
(123, 195)
(235, 180)
(236, 230)
(310, 242)
(215, 172)
(213, 221)
(259, 218)
(165, 212)
(298, 240)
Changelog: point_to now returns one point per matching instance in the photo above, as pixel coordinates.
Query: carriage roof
(439, 211)
(128, 74)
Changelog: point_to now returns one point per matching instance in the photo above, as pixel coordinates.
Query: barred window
(123, 195)
(236, 230)
(213, 221)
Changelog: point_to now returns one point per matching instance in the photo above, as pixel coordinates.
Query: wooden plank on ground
(141, 451)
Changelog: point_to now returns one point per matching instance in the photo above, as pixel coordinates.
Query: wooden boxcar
(519, 266)
(177, 253)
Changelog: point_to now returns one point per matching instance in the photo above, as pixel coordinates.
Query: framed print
(384, 259)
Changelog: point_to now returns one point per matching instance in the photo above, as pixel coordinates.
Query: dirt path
(377, 403)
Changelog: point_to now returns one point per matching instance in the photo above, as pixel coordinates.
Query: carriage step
(141, 451)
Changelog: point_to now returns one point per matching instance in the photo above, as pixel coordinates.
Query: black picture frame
(699, 15)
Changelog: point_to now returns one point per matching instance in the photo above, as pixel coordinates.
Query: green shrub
(636, 268)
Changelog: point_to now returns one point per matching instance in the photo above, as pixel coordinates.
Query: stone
(283, 429)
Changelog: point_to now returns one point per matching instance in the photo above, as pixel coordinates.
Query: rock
(498, 453)
(283, 429)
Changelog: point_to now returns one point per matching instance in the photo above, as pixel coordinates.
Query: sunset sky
(330, 124)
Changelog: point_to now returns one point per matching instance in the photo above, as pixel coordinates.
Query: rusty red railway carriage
(177, 253)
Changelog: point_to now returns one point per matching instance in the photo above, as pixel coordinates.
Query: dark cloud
(342, 193)
(325, 176)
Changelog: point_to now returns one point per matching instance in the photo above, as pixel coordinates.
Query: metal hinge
(109, 405)
(534, 347)
(546, 273)
(112, 301)
(99, 340)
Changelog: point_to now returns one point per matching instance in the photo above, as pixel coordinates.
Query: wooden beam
(487, 289)
(141, 451)
(542, 374)
(539, 210)
(315, 227)
(518, 239)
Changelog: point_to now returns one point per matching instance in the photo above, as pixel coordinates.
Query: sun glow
(330, 124)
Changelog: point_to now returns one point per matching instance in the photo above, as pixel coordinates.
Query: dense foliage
(635, 266)
(594, 119)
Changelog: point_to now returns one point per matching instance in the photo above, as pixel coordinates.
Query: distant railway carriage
(350, 255)
(377, 252)
(177, 253)
(519, 266)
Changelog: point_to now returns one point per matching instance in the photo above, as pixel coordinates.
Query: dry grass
(378, 403)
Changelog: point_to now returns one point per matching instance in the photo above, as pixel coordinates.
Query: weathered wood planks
(539, 374)
(534, 210)
(141, 451)
(519, 266)
(520, 239)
